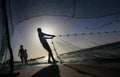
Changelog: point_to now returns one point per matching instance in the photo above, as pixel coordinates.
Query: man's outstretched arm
(49, 35)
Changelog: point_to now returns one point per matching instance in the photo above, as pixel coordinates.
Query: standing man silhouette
(45, 43)
(25, 56)
(21, 53)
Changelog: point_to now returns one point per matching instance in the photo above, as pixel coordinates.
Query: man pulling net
(43, 37)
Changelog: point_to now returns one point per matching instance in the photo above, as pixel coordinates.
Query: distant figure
(45, 43)
(21, 53)
(25, 56)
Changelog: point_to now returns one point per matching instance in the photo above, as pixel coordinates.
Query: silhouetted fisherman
(21, 53)
(45, 44)
(25, 56)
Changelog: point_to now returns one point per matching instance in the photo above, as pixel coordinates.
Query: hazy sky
(26, 20)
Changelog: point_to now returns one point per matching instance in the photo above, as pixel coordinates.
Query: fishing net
(23, 10)
(19, 11)
(5, 55)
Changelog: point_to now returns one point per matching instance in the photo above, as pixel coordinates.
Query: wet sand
(69, 70)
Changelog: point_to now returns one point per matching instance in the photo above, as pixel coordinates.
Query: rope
(91, 33)
(74, 8)
(56, 52)
(63, 45)
(91, 41)
(67, 46)
(70, 44)
(107, 24)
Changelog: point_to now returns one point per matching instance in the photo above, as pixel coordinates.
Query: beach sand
(69, 70)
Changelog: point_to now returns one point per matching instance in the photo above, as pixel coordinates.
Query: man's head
(39, 29)
(21, 46)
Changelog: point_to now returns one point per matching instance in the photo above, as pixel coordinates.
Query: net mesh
(23, 9)
(4, 51)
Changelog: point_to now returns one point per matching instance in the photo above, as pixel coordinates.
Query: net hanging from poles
(22, 10)
(6, 54)
(19, 11)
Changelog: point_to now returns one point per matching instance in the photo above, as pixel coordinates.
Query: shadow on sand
(50, 71)
(81, 72)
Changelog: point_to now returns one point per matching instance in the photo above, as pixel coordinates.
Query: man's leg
(21, 59)
(51, 55)
(26, 60)
(49, 58)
